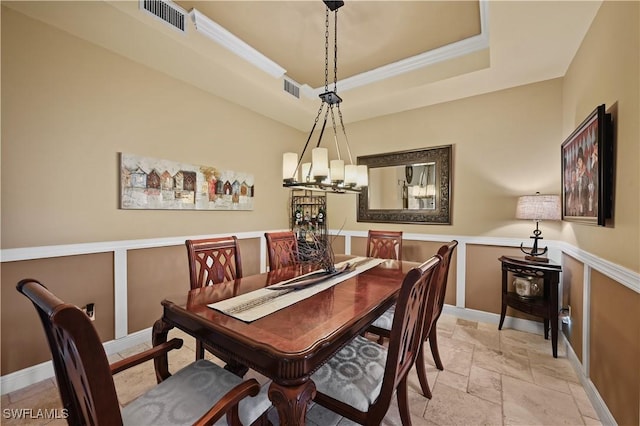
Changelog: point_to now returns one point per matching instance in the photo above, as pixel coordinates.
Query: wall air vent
(167, 11)
(291, 88)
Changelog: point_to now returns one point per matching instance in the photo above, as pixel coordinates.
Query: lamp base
(534, 254)
(537, 259)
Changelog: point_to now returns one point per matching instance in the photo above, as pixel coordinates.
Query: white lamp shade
(430, 191)
(337, 170)
(320, 162)
(363, 177)
(306, 172)
(538, 207)
(350, 174)
(289, 164)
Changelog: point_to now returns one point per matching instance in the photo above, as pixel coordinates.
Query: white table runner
(260, 303)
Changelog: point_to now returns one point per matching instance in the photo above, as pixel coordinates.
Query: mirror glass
(394, 190)
(407, 187)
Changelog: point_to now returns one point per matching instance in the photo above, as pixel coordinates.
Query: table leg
(546, 328)
(503, 312)
(554, 337)
(292, 401)
(553, 314)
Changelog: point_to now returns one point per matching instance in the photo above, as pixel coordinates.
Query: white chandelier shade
(336, 177)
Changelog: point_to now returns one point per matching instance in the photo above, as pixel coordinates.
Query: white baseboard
(509, 322)
(28, 376)
(604, 415)
(25, 377)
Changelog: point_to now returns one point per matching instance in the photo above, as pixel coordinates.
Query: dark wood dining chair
(382, 326)
(282, 249)
(213, 261)
(359, 381)
(384, 244)
(200, 393)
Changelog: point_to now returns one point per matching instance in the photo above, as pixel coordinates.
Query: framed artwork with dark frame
(587, 170)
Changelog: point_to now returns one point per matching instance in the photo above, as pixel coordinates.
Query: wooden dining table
(290, 344)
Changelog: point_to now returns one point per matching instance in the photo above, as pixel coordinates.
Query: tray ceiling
(393, 55)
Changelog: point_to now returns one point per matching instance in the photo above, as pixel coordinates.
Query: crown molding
(223, 37)
(441, 54)
(229, 41)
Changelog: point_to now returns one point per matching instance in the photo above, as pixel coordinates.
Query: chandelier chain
(335, 133)
(346, 138)
(318, 114)
(326, 50)
(335, 52)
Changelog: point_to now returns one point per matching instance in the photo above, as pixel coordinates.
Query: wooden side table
(545, 305)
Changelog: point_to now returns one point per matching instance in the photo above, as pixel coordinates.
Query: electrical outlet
(565, 314)
(90, 310)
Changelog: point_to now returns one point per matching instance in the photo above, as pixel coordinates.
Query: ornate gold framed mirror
(408, 187)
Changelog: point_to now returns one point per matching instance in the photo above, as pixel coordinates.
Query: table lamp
(537, 208)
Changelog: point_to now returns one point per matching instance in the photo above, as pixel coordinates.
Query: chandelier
(425, 191)
(320, 174)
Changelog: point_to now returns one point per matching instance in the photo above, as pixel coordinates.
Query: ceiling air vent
(291, 88)
(167, 11)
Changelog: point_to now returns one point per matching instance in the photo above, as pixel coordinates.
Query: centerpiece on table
(317, 253)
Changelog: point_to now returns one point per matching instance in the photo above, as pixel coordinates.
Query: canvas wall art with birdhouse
(151, 183)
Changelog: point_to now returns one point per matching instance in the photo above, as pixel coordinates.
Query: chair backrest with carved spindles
(213, 260)
(446, 252)
(80, 363)
(415, 303)
(384, 244)
(282, 249)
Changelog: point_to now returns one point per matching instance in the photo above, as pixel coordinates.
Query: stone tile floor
(491, 377)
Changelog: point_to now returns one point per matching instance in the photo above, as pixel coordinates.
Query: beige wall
(68, 109)
(615, 347)
(483, 289)
(153, 274)
(91, 280)
(573, 295)
(613, 336)
(497, 138)
(605, 70)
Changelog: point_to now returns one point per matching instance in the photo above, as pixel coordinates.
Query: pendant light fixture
(425, 191)
(320, 174)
